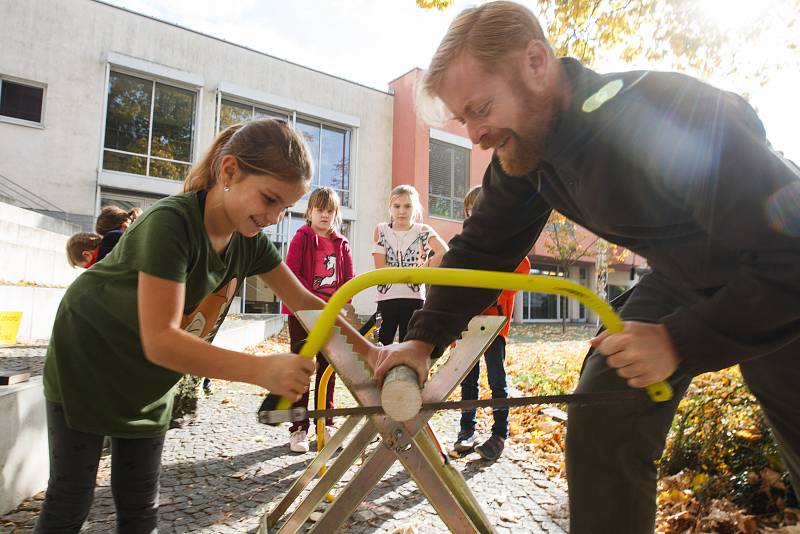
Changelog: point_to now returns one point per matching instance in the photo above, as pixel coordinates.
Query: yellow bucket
(9, 326)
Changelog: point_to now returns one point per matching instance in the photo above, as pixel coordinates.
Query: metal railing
(21, 197)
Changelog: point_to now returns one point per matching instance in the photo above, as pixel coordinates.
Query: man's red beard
(523, 150)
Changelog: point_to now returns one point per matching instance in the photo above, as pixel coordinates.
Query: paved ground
(223, 471)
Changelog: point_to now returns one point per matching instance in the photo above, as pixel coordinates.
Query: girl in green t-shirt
(128, 328)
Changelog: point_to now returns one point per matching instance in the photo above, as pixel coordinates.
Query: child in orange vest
(494, 356)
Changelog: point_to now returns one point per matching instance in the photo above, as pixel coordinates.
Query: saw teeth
(337, 331)
(367, 372)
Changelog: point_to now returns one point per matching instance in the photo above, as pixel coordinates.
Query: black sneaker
(492, 448)
(465, 442)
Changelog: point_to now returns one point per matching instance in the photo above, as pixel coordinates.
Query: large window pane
(439, 206)
(543, 306)
(259, 113)
(448, 179)
(114, 161)
(152, 119)
(173, 111)
(168, 169)
(439, 173)
(128, 113)
(460, 172)
(335, 161)
(233, 113)
(329, 146)
(21, 101)
(311, 133)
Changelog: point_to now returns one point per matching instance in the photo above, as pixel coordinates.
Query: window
(126, 200)
(258, 296)
(330, 151)
(231, 112)
(329, 145)
(448, 180)
(21, 101)
(149, 127)
(541, 307)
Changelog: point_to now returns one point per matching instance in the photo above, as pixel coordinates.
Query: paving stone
(217, 478)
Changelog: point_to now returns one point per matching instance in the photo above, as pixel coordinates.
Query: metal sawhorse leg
(412, 442)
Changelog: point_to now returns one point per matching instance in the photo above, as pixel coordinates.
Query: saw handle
(274, 402)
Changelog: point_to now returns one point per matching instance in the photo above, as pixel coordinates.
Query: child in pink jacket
(320, 257)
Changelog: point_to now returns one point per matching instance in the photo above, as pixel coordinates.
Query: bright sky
(374, 41)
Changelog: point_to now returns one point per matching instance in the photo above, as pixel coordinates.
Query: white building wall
(66, 44)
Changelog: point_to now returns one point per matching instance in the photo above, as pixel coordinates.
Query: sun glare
(734, 14)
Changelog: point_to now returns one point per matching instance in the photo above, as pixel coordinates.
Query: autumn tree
(566, 245)
(678, 34)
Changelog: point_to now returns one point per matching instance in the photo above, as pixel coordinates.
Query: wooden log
(400, 394)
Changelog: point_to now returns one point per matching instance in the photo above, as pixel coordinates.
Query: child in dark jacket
(494, 357)
(320, 257)
(110, 224)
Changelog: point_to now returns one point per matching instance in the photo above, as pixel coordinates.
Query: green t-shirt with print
(95, 365)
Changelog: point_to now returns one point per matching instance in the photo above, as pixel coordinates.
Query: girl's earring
(226, 188)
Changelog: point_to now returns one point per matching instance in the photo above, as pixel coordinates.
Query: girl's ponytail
(203, 174)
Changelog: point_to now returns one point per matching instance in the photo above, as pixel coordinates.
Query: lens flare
(783, 210)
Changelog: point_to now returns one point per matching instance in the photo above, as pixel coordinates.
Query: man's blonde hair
(487, 32)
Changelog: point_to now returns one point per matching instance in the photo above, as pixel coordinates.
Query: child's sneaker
(329, 432)
(298, 441)
(492, 448)
(465, 442)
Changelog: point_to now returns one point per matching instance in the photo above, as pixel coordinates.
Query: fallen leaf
(508, 517)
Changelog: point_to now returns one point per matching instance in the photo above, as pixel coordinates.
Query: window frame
(294, 111)
(154, 71)
(153, 79)
(29, 83)
(293, 115)
(562, 303)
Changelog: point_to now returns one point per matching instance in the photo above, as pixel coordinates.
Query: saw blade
(578, 399)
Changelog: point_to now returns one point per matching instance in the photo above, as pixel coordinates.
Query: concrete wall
(33, 251)
(66, 44)
(38, 306)
(33, 248)
(23, 443)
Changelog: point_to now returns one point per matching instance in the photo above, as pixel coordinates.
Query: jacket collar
(334, 236)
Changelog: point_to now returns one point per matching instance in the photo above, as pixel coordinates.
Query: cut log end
(400, 395)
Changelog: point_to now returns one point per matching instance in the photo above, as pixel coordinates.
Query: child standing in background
(320, 257)
(84, 249)
(403, 242)
(494, 357)
(110, 224)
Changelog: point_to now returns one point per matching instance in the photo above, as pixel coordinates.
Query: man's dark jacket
(677, 171)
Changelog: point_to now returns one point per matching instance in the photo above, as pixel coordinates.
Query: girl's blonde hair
(325, 198)
(113, 217)
(266, 146)
(400, 190)
(470, 198)
(487, 32)
(79, 243)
